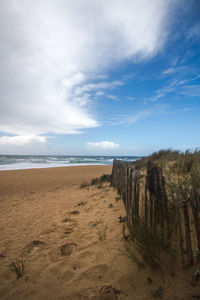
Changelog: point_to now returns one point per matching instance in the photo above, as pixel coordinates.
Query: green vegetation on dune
(178, 163)
(97, 181)
(176, 175)
(100, 180)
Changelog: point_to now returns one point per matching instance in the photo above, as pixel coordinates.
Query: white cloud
(190, 90)
(158, 96)
(130, 98)
(194, 32)
(112, 97)
(169, 71)
(21, 140)
(180, 79)
(52, 52)
(181, 69)
(99, 94)
(98, 86)
(130, 119)
(103, 145)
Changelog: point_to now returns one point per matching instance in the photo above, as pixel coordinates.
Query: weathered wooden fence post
(187, 233)
(146, 201)
(195, 203)
(137, 193)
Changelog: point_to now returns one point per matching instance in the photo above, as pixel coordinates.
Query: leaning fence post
(180, 229)
(146, 202)
(187, 233)
(132, 194)
(196, 213)
(128, 190)
(125, 183)
(151, 208)
(137, 193)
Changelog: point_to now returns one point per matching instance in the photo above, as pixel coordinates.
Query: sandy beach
(70, 240)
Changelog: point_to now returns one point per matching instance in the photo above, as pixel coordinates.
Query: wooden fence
(175, 219)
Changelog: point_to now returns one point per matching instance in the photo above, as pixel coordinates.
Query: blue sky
(99, 79)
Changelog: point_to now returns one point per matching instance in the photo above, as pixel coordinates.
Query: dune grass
(183, 168)
(96, 181)
(83, 184)
(17, 266)
(104, 178)
(148, 243)
(183, 161)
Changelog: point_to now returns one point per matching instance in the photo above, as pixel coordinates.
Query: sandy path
(57, 228)
(69, 238)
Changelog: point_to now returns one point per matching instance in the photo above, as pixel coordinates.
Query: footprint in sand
(68, 230)
(67, 249)
(87, 210)
(80, 204)
(2, 256)
(74, 212)
(67, 220)
(95, 223)
(95, 272)
(109, 292)
(31, 246)
(48, 231)
(68, 275)
(56, 254)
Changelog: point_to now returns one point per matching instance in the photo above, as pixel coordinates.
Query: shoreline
(25, 162)
(53, 167)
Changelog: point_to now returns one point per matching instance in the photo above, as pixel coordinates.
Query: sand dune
(70, 240)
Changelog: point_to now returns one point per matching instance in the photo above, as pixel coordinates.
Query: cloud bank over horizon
(102, 145)
(55, 55)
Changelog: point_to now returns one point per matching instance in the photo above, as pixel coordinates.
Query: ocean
(17, 162)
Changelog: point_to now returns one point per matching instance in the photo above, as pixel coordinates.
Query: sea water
(16, 162)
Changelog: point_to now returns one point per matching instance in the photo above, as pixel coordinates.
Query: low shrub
(17, 266)
(95, 181)
(100, 180)
(83, 184)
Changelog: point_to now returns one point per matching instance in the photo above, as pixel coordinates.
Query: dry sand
(70, 240)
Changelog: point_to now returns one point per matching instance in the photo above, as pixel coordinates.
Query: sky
(98, 77)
